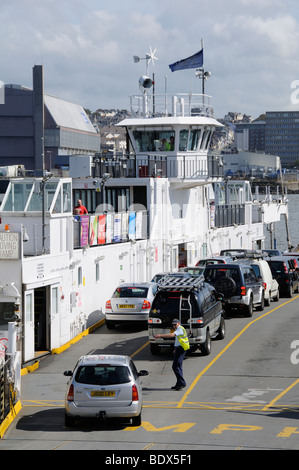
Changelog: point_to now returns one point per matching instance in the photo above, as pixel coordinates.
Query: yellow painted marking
(140, 349)
(234, 427)
(187, 406)
(287, 432)
(195, 381)
(181, 427)
(266, 408)
(9, 418)
(149, 446)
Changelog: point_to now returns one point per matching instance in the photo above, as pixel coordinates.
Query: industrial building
(40, 131)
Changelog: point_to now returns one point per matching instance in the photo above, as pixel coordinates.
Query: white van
(262, 269)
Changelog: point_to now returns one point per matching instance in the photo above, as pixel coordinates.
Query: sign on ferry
(9, 245)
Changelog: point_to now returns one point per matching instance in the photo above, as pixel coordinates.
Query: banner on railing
(132, 225)
(102, 229)
(117, 228)
(84, 232)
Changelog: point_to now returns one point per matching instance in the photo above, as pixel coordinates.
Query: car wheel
(110, 324)
(226, 286)
(69, 421)
(221, 331)
(290, 291)
(276, 298)
(249, 308)
(191, 350)
(268, 300)
(136, 420)
(155, 349)
(206, 346)
(261, 307)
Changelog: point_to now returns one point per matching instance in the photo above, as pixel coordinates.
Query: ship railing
(7, 394)
(163, 166)
(169, 104)
(227, 215)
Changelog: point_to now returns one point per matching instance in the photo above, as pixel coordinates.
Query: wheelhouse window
(154, 140)
(189, 139)
(206, 139)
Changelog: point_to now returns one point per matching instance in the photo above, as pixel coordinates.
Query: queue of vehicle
(200, 297)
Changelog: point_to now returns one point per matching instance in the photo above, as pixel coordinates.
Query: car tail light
(154, 320)
(108, 304)
(134, 393)
(194, 321)
(70, 395)
(243, 290)
(265, 285)
(146, 304)
(285, 268)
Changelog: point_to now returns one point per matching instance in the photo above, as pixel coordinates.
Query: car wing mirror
(68, 373)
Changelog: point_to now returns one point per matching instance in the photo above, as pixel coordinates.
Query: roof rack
(182, 284)
(250, 255)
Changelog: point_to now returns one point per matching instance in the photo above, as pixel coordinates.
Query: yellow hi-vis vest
(183, 339)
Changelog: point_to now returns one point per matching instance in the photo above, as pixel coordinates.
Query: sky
(86, 47)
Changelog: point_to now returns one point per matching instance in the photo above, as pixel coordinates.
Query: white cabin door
(28, 342)
(54, 317)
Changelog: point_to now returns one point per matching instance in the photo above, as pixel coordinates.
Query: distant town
(270, 133)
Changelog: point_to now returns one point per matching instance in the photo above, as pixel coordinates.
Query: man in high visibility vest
(181, 345)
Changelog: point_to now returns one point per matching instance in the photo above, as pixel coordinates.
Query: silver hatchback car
(130, 302)
(104, 386)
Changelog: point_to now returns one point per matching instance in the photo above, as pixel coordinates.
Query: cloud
(86, 48)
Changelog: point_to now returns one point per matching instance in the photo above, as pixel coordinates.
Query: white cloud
(86, 47)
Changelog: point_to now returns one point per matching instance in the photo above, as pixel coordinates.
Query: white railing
(161, 105)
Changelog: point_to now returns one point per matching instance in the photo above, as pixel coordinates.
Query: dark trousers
(177, 366)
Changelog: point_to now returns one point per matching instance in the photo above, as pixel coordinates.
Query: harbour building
(282, 135)
(39, 131)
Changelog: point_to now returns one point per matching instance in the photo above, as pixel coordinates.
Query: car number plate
(126, 306)
(100, 393)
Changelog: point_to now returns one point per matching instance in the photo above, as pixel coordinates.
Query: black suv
(197, 306)
(239, 286)
(286, 274)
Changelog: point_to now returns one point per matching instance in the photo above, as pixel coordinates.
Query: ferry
(162, 204)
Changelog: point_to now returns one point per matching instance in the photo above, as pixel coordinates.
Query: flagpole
(202, 74)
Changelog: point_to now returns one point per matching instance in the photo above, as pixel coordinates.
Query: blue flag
(192, 62)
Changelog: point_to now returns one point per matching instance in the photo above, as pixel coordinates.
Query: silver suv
(238, 285)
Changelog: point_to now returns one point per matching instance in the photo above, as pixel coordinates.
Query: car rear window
(103, 375)
(170, 302)
(212, 275)
(277, 266)
(122, 292)
(256, 269)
